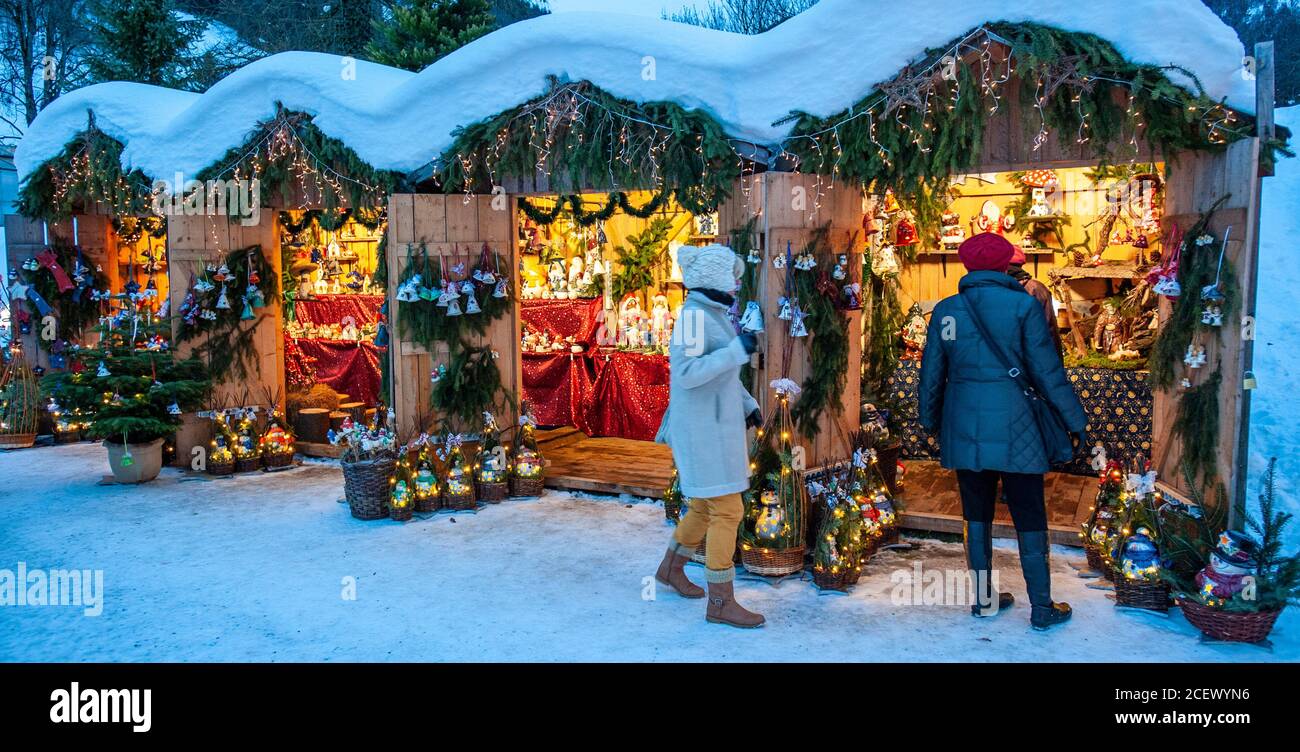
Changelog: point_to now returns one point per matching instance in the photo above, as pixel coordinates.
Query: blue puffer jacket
(967, 399)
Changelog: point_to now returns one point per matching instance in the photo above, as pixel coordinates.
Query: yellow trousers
(716, 519)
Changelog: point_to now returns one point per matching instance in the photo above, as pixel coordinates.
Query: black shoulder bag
(1051, 426)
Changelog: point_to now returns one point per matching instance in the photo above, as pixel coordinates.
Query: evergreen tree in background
(1269, 20)
(141, 40)
(510, 11)
(422, 31)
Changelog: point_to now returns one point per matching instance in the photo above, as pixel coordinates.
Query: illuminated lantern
(1140, 559)
(426, 481)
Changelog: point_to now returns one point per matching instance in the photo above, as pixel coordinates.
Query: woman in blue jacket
(985, 426)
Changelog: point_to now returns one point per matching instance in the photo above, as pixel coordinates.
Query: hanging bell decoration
(247, 313)
(381, 336)
(797, 326)
(502, 290)
(254, 295)
(471, 304)
(223, 302)
(453, 307)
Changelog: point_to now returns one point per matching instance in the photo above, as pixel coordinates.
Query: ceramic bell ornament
(471, 304)
(453, 307)
(502, 289)
(223, 302)
(841, 262)
(752, 319)
(797, 326)
(784, 312)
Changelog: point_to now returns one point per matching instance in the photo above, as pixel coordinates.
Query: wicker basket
(282, 459)
(248, 464)
(430, 503)
(771, 562)
(400, 514)
(492, 493)
(365, 484)
(1093, 552)
(526, 486)
(461, 501)
(1153, 596)
(825, 579)
(17, 440)
(221, 468)
(1230, 626)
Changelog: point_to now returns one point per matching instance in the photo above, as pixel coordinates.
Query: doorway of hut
(599, 292)
(1095, 237)
(333, 299)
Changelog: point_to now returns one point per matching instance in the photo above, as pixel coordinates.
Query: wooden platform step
(607, 465)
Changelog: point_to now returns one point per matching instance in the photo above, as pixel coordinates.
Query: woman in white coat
(708, 411)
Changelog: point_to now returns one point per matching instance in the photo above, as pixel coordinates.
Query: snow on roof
(819, 62)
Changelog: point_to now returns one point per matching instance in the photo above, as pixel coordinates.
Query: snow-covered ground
(1275, 412)
(253, 569)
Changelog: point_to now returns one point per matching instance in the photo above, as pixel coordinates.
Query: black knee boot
(979, 557)
(1038, 581)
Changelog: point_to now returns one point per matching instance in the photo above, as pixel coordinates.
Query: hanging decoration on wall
(224, 336)
(432, 290)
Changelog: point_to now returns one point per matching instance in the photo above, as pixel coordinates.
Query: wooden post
(1265, 127)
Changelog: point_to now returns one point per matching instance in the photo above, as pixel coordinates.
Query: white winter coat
(707, 405)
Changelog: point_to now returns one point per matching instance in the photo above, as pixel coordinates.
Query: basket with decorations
(248, 457)
(69, 423)
(772, 533)
(490, 466)
(20, 401)
(527, 467)
(1099, 530)
(870, 489)
(368, 459)
(838, 554)
(221, 452)
(458, 487)
(401, 494)
(1134, 557)
(1236, 584)
(425, 485)
(276, 443)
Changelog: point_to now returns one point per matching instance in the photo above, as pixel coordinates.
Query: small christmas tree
(776, 500)
(838, 552)
(422, 31)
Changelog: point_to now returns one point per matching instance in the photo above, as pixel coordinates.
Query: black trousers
(1024, 495)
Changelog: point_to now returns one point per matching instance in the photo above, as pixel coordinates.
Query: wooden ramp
(931, 502)
(576, 462)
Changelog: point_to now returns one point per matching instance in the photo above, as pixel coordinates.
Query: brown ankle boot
(723, 608)
(672, 573)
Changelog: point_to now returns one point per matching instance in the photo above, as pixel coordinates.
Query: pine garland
(744, 240)
(580, 135)
(470, 387)
(228, 343)
(1198, 266)
(266, 156)
(645, 251)
(573, 205)
(828, 346)
(1197, 425)
(425, 322)
(87, 172)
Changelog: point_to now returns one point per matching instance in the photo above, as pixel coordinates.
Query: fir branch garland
(581, 136)
(645, 251)
(228, 344)
(1197, 425)
(425, 322)
(744, 239)
(573, 205)
(86, 172)
(471, 386)
(828, 346)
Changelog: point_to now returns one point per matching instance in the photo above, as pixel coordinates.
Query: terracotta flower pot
(146, 461)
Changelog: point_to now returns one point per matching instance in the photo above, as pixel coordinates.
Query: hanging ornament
(752, 319)
(905, 232)
(254, 296)
(1195, 356)
(453, 307)
(247, 314)
(103, 371)
(797, 326)
(471, 304)
(223, 302)
(127, 459)
(502, 289)
(173, 408)
(778, 261)
(784, 312)
(884, 263)
(467, 287)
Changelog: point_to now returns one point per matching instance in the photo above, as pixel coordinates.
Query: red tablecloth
(332, 309)
(348, 367)
(601, 394)
(563, 318)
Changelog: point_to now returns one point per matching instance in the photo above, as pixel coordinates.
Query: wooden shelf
(1109, 270)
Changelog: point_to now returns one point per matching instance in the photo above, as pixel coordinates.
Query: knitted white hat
(710, 267)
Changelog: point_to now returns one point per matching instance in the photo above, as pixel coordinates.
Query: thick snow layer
(820, 62)
(253, 569)
(1275, 412)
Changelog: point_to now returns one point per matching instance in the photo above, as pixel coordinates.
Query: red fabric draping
(563, 318)
(348, 367)
(331, 309)
(601, 394)
(629, 397)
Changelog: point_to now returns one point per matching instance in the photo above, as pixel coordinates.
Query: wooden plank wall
(448, 226)
(790, 211)
(25, 238)
(1196, 182)
(192, 241)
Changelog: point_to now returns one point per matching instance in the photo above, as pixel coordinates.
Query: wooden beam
(1265, 74)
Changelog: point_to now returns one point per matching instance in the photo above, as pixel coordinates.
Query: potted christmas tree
(142, 390)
